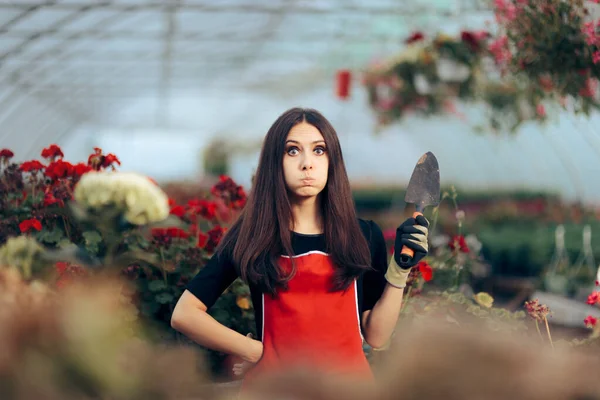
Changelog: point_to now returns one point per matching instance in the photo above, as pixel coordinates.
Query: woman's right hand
(253, 357)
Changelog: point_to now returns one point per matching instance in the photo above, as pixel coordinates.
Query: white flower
(422, 85)
(473, 243)
(439, 240)
(451, 71)
(140, 200)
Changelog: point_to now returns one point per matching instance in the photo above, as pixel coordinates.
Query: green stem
(537, 328)
(457, 279)
(66, 225)
(162, 262)
(456, 209)
(548, 330)
(435, 213)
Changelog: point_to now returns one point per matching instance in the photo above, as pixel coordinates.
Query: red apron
(310, 326)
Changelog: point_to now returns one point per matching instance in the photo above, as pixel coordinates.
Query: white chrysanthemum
(140, 200)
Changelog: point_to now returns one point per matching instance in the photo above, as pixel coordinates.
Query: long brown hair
(262, 232)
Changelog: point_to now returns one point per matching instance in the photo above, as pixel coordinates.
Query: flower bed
(87, 214)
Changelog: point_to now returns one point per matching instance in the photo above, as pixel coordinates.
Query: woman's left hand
(414, 234)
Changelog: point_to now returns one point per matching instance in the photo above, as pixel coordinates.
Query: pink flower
(541, 110)
(596, 56)
(499, 49)
(589, 31)
(505, 11)
(537, 311)
(590, 88)
(386, 104)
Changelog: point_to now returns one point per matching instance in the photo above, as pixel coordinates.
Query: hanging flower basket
(554, 45)
(430, 75)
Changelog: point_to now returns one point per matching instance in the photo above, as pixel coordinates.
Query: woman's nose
(306, 163)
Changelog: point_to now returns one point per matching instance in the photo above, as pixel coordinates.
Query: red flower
(178, 211)
(202, 240)
(29, 224)
(594, 298)
(31, 166)
(98, 161)
(214, 237)
(61, 267)
(52, 152)
(49, 200)
(164, 236)
(226, 189)
(425, 270)
(68, 273)
(177, 233)
(96, 158)
(590, 321)
(81, 168)
(109, 160)
(473, 39)
(6, 154)
(206, 209)
(59, 169)
(458, 242)
(415, 37)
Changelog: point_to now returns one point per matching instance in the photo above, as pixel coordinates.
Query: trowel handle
(407, 253)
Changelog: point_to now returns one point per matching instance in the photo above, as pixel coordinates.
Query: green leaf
(50, 236)
(135, 256)
(171, 221)
(65, 244)
(92, 240)
(164, 298)
(157, 286)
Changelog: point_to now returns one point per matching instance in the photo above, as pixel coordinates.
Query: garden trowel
(423, 190)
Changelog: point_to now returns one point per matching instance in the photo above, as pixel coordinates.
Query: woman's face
(305, 162)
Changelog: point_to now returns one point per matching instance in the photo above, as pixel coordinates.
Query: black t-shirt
(220, 272)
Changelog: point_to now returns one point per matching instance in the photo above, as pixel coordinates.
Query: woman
(319, 277)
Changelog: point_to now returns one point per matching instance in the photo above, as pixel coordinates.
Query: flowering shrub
(453, 259)
(440, 286)
(62, 222)
(553, 45)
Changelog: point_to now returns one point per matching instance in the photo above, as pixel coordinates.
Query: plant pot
(557, 284)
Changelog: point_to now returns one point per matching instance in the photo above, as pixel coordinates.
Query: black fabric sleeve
(374, 281)
(212, 280)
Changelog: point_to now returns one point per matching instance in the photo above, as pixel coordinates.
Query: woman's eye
(320, 151)
(292, 151)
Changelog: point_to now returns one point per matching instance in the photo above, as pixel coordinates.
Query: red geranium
(30, 224)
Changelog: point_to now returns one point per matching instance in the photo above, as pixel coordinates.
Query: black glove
(412, 233)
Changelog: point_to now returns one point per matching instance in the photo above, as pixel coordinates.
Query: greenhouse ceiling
(86, 59)
(217, 67)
